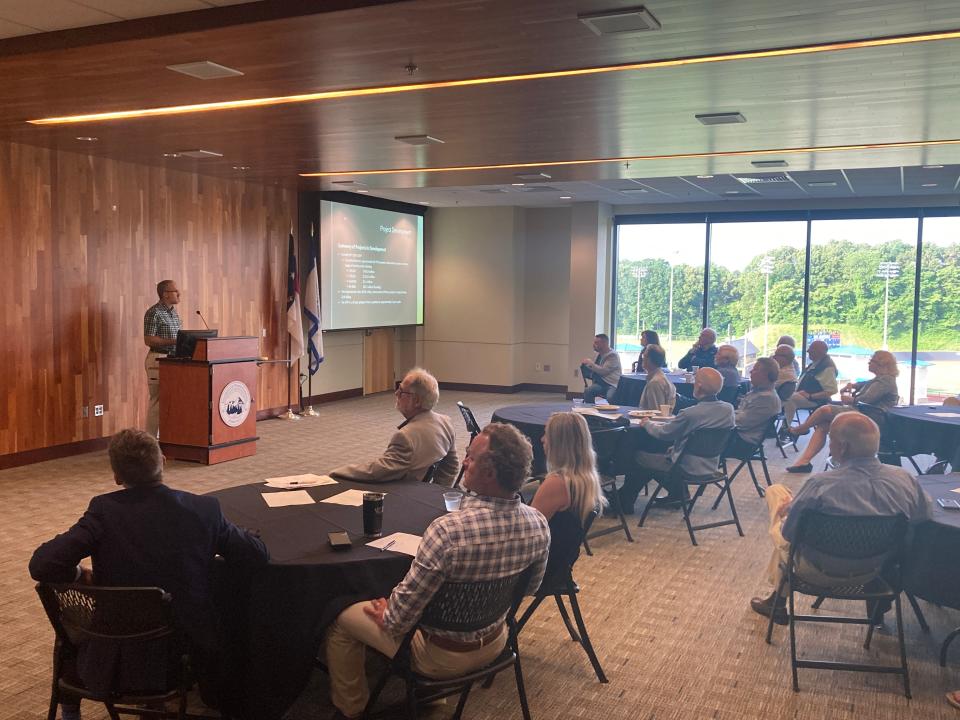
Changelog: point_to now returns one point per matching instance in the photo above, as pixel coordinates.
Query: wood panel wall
(83, 242)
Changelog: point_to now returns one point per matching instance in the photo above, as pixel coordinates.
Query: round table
(922, 429)
(281, 612)
(631, 386)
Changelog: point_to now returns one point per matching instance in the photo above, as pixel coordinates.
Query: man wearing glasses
(160, 326)
(422, 439)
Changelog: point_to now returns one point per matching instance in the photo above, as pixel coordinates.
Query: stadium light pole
(641, 274)
(766, 267)
(887, 270)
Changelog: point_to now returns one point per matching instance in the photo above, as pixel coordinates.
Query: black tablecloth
(631, 386)
(282, 613)
(917, 432)
(932, 569)
(531, 420)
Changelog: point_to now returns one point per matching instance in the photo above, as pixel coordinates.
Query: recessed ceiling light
(733, 192)
(86, 138)
(566, 197)
(768, 163)
(204, 70)
(822, 183)
(518, 184)
(363, 191)
(633, 191)
(721, 118)
(171, 155)
(419, 139)
(930, 184)
(533, 176)
(198, 153)
(424, 202)
(241, 167)
(704, 177)
(925, 167)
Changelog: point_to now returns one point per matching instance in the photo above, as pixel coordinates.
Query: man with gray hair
(861, 485)
(424, 437)
(702, 353)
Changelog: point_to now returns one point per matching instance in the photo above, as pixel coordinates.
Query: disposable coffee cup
(452, 500)
(373, 514)
(578, 401)
(695, 368)
(665, 410)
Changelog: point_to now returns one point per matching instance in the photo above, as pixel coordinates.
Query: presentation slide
(371, 267)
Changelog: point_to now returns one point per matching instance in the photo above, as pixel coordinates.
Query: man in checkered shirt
(160, 326)
(493, 535)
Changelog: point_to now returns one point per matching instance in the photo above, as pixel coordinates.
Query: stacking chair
(473, 427)
(889, 452)
(702, 443)
(870, 547)
(566, 534)
(784, 392)
(730, 395)
(431, 471)
(747, 458)
(608, 444)
(134, 621)
(461, 607)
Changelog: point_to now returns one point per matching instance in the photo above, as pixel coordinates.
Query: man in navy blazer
(148, 534)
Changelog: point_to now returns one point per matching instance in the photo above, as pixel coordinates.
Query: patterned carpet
(671, 623)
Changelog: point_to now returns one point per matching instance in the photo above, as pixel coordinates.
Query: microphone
(204, 320)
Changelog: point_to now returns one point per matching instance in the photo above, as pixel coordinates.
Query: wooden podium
(208, 411)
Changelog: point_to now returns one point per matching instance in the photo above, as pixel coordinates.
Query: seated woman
(648, 338)
(658, 389)
(726, 364)
(572, 483)
(881, 392)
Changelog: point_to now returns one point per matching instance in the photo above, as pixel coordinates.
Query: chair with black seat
(784, 392)
(461, 607)
(864, 554)
(739, 449)
(431, 471)
(609, 445)
(730, 395)
(706, 442)
(473, 427)
(144, 662)
(566, 535)
(889, 453)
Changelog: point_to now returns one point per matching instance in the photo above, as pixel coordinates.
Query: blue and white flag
(294, 323)
(311, 308)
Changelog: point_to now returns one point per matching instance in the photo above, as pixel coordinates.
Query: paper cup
(665, 410)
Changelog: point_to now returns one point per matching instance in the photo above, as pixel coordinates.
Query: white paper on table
(297, 497)
(956, 490)
(402, 543)
(944, 414)
(347, 497)
(298, 481)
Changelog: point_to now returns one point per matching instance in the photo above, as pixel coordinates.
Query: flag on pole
(311, 308)
(294, 320)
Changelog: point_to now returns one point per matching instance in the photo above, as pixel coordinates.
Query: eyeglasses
(401, 391)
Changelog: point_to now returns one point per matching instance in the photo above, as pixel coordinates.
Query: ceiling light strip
(393, 89)
(641, 158)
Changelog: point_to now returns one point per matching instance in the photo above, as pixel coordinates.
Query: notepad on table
(398, 542)
(347, 497)
(297, 497)
(299, 481)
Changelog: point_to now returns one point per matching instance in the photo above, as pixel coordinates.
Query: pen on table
(388, 545)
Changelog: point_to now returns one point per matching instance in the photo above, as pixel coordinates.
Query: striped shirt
(161, 321)
(488, 538)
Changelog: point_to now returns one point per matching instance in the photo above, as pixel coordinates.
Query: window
(938, 329)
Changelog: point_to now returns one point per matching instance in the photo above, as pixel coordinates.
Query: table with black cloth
(278, 617)
(631, 386)
(531, 420)
(917, 431)
(932, 570)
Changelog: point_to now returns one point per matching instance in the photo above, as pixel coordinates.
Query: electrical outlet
(538, 367)
(263, 332)
(85, 411)
(546, 368)
(98, 410)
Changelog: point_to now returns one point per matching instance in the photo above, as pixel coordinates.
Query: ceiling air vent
(205, 70)
(539, 189)
(618, 22)
(721, 118)
(763, 179)
(532, 176)
(633, 191)
(198, 154)
(419, 139)
(768, 163)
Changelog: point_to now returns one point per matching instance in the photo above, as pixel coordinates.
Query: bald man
(861, 485)
(708, 413)
(702, 353)
(817, 384)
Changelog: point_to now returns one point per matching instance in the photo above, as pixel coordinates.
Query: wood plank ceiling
(894, 94)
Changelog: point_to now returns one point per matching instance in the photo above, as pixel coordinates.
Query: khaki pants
(777, 495)
(152, 366)
(796, 402)
(354, 630)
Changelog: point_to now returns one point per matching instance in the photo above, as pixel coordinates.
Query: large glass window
(659, 286)
(756, 284)
(938, 339)
(861, 292)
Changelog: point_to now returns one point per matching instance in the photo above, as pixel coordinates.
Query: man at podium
(161, 323)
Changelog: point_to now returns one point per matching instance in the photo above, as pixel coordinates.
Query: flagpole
(290, 414)
(309, 411)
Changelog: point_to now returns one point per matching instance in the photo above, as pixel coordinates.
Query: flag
(294, 320)
(311, 308)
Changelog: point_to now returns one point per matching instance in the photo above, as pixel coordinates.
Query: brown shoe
(777, 606)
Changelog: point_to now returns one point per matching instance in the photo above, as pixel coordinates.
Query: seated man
(786, 360)
(702, 352)
(605, 371)
(817, 384)
(861, 485)
(708, 413)
(792, 344)
(492, 535)
(658, 389)
(756, 408)
(422, 439)
(148, 535)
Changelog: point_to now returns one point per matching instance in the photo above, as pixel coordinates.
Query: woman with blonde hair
(726, 361)
(572, 482)
(880, 391)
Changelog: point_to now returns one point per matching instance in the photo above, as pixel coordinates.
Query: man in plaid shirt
(160, 326)
(493, 535)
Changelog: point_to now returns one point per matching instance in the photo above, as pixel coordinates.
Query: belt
(445, 643)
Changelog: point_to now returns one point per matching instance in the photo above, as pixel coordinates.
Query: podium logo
(234, 404)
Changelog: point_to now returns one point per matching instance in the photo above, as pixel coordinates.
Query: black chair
(889, 453)
(784, 392)
(739, 449)
(473, 427)
(609, 445)
(431, 471)
(461, 607)
(941, 467)
(702, 443)
(870, 548)
(133, 628)
(730, 395)
(566, 534)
